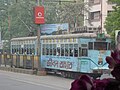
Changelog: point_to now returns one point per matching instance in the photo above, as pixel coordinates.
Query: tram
(24, 45)
(71, 53)
(68, 53)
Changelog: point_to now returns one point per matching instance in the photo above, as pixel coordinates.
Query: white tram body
(24, 45)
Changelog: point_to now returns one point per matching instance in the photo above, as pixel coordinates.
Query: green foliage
(112, 22)
(16, 16)
(64, 12)
(115, 1)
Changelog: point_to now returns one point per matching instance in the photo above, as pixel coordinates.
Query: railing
(19, 61)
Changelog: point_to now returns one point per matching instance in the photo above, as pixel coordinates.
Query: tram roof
(24, 38)
(86, 35)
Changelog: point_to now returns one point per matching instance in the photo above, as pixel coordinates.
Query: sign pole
(39, 19)
(39, 46)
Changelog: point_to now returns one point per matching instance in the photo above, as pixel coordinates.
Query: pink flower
(114, 63)
(84, 82)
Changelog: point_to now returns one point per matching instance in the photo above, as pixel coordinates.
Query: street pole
(39, 46)
(39, 19)
(101, 17)
(40, 16)
(38, 42)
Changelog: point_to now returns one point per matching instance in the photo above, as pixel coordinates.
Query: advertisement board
(53, 29)
(39, 15)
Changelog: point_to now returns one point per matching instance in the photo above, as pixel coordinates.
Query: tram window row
(74, 50)
(20, 49)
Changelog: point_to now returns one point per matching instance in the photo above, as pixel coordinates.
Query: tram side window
(33, 50)
(90, 45)
(50, 49)
(30, 51)
(84, 52)
(17, 50)
(43, 49)
(27, 50)
(47, 49)
(62, 49)
(22, 51)
(71, 49)
(54, 49)
(58, 51)
(66, 49)
(13, 50)
(76, 50)
(80, 53)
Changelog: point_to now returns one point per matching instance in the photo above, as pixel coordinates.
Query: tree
(112, 22)
(16, 19)
(66, 12)
(16, 16)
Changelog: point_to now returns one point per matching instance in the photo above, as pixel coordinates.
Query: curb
(24, 71)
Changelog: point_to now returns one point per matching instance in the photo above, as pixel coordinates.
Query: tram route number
(59, 64)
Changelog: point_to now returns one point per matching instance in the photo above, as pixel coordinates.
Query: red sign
(39, 15)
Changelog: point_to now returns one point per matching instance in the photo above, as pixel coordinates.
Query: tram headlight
(100, 62)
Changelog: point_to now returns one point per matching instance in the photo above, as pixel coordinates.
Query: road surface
(18, 81)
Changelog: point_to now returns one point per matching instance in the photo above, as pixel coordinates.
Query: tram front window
(76, 50)
(100, 45)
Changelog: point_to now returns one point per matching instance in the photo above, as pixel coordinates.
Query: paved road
(18, 81)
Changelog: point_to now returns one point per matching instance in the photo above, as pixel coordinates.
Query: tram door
(84, 65)
(84, 50)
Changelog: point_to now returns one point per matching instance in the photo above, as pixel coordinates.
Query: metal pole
(39, 47)
(39, 44)
(101, 17)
